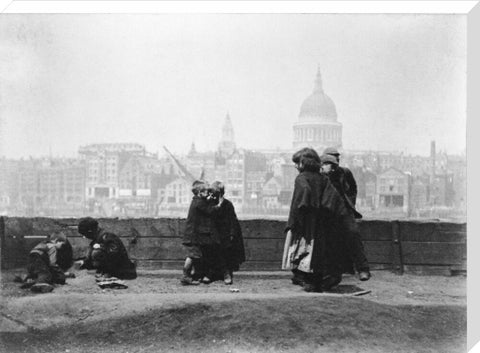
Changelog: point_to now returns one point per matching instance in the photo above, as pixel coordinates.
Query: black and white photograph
(239, 179)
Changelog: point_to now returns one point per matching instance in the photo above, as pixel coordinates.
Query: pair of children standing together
(212, 239)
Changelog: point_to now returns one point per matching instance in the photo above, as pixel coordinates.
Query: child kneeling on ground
(47, 262)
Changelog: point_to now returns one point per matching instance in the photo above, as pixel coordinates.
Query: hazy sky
(398, 81)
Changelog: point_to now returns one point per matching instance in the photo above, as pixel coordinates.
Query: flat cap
(328, 158)
(331, 151)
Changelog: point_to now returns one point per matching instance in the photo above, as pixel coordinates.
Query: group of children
(49, 260)
(212, 239)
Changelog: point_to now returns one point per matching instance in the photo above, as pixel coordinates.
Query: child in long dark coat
(232, 251)
(200, 238)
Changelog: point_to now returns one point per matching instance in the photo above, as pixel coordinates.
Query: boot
(206, 280)
(312, 287)
(364, 275)
(187, 279)
(28, 283)
(41, 288)
(298, 279)
(330, 281)
(227, 278)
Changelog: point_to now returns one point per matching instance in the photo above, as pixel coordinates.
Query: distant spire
(318, 81)
(193, 150)
(227, 130)
(227, 141)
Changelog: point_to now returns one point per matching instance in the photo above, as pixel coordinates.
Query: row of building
(125, 180)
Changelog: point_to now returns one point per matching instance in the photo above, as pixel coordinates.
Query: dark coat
(351, 191)
(114, 259)
(313, 197)
(315, 212)
(303, 219)
(43, 264)
(65, 256)
(343, 180)
(199, 227)
(230, 234)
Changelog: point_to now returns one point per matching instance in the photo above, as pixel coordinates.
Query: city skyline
(171, 79)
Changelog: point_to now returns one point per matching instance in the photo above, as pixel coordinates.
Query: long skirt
(297, 254)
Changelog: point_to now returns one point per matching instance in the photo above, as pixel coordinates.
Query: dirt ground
(268, 314)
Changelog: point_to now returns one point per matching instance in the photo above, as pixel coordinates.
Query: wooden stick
(363, 292)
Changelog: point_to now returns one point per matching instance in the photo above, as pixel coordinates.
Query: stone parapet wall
(425, 247)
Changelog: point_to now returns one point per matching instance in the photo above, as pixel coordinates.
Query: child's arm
(52, 258)
(209, 210)
(52, 255)
(189, 225)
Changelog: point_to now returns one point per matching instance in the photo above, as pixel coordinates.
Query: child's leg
(207, 264)
(355, 247)
(222, 254)
(191, 264)
(195, 253)
(187, 267)
(99, 261)
(38, 269)
(58, 276)
(187, 272)
(34, 266)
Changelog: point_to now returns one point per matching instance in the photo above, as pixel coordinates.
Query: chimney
(432, 159)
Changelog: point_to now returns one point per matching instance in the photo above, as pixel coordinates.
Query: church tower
(227, 143)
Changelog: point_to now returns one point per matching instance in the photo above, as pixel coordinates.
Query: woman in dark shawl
(313, 252)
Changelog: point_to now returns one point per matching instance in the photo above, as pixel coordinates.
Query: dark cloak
(199, 226)
(115, 260)
(316, 211)
(230, 233)
(344, 182)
